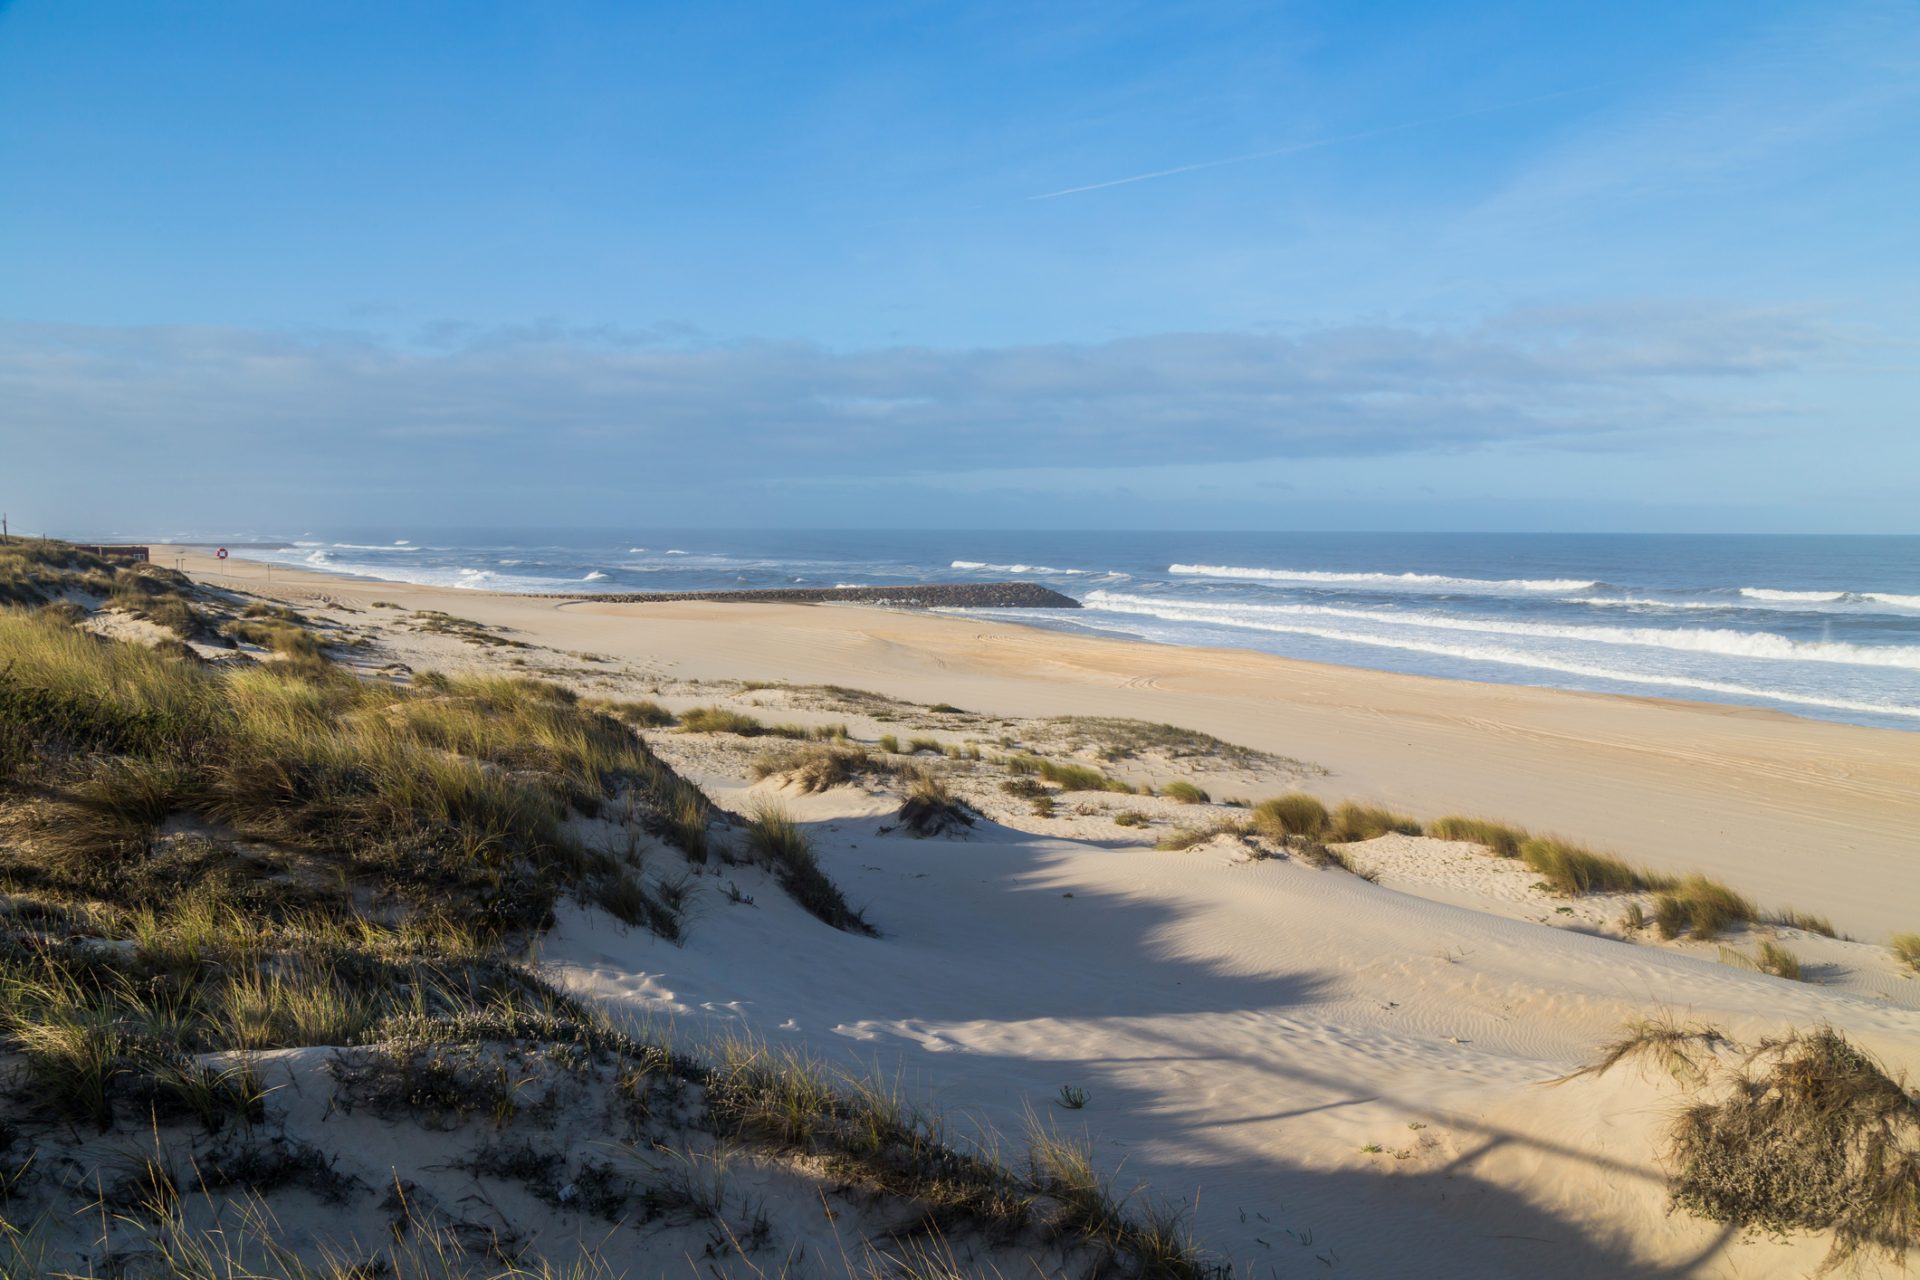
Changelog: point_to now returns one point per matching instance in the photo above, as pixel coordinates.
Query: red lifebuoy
(222, 553)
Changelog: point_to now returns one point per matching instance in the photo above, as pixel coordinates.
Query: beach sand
(1824, 817)
(1332, 1075)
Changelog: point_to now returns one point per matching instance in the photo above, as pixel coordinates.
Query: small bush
(1906, 949)
(1807, 1133)
(1699, 907)
(1130, 818)
(1501, 839)
(1184, 792)
(1297, 814)
(890, 744)
(916, 745)
(1042, 806)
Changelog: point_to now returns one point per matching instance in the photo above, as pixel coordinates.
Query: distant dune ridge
(360, 911)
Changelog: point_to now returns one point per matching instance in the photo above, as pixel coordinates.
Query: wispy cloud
(1316, 144)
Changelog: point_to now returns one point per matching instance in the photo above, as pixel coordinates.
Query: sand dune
(1331, 1074)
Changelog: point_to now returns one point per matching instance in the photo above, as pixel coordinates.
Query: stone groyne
(932, 595)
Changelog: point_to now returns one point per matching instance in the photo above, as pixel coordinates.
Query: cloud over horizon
(1575, 377)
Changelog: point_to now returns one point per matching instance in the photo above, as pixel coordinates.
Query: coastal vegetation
(208, 864)
(1804, 1132)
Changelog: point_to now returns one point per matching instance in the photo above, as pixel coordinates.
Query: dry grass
(817, 767)
(1906, 949)
(931, 809)
(372, 860)
(1187, 837)
(1805, 1133)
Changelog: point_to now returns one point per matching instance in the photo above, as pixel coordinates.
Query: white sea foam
(634, 551)
(983, 566)
(1793, 597)
(1418, 581)
(1639, 602)
(1771, 596)
(1710, 640)
(1188, 612)
(594, 576)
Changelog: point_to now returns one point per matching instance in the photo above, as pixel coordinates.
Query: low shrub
(1130, 818)
(1804, 1133)
(1906, 949)
(1183, 792)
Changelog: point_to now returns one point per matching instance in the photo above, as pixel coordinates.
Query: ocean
(1827, 627)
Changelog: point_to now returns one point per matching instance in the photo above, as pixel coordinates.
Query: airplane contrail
(1317, 143)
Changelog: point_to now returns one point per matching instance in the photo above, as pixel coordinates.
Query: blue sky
(1395, 266)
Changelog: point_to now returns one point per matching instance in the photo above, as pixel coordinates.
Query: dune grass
(721, 720)
(1805, 921)
(817, 766)
(1351, 823)
(1698, 907)
(1572, 870)
(1181, 791)
(1187, 837)
(1296, 814)
(641, 713)
(1500, 838)
(1906, 949)
(371, 860)
(776, 841)
(1068, 777)
(929, 808)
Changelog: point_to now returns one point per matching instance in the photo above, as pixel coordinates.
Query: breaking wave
(1418, 581)
(1714, 640)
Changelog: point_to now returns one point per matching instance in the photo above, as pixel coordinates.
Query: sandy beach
(1824, 817)
(1371, 1075)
